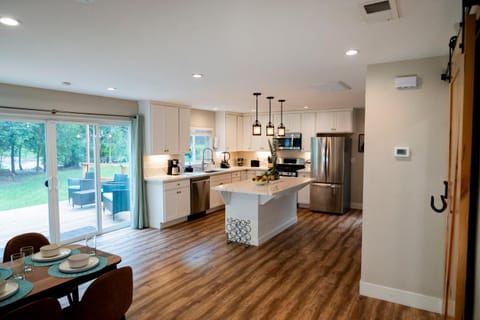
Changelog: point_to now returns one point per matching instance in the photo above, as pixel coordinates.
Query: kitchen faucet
(203, 157)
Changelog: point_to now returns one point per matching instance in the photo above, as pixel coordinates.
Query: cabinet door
(230, 132)
(183, 130)
(157, 133)
(170, 205)
(343, 121)
(304, 194)
(247, 133)
(325, 122)
(183, 202)
(308, 129)
(243, 175)
(292, 122)
(170, 125)
(239, 133)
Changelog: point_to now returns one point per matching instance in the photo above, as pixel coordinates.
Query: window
(200, 138)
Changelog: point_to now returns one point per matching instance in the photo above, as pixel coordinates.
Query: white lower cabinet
(303, 198)
(236, 176)
(243, 175)
(216, 199)
(167, 201)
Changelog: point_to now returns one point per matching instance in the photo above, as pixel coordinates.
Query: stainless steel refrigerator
(330, 167)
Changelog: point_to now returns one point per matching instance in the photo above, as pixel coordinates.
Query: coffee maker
(224, 163)
(173, 167)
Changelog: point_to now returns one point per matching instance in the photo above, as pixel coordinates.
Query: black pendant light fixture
(281, 127)
(256, 127)
(270, 127)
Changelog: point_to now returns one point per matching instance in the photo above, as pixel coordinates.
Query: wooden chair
(107, 298)
(27, 239)
(39, 309)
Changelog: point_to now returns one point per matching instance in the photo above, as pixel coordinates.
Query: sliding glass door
(63, 179)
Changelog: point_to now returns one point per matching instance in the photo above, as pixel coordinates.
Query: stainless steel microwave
(291, 141)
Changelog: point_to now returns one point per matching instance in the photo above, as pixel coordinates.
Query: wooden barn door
(460, 155)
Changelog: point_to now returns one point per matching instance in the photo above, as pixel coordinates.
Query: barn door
(460, 155)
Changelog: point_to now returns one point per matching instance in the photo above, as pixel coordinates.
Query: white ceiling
(148, 49)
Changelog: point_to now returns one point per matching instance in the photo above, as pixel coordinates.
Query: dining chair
(38, 309)
(13, 245)
(107, 298)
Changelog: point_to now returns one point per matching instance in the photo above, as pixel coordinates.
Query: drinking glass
(17, 266)
(91, 244)
(27, 261)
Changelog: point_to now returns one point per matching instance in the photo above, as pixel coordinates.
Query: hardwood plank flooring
(309, 271)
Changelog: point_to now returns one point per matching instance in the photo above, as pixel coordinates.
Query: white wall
(403, 239)
(27, 97)
(356, 179)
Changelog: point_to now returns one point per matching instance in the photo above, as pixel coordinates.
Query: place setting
(49, 255)
(79, 264)
(13, 285)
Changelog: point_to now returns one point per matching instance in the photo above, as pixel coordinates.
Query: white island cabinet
(260, 211)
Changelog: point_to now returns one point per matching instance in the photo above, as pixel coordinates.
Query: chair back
(13, 245)
(119, 177)
(46, 307)
(87, 184)
(89, 175)
(108, 297)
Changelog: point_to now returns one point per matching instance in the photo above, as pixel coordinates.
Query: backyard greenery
(29, 190)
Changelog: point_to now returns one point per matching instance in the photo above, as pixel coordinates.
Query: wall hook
(443, 198)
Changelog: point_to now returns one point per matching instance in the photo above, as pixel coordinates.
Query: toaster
(254, 163)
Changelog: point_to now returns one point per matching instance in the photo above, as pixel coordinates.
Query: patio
(74, 222)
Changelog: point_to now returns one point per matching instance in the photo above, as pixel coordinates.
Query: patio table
(45, 285)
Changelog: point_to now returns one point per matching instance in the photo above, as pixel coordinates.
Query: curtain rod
(55, 111)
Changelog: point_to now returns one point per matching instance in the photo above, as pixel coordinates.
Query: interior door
(460, 154)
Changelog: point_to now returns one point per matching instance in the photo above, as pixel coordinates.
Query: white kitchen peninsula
(266, 210)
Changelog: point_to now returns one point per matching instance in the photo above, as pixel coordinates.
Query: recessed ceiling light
(351, 52)
(8, 21)
(197, 75)
(66, 83)
(111, 89)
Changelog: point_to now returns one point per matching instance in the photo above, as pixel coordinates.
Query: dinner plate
(65, 266)
(64, 252)
(10, 289)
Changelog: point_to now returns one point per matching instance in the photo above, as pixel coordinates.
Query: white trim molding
(407, 298)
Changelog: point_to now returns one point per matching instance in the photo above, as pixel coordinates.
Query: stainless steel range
(288, 167)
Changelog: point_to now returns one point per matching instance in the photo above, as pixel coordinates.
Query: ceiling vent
(379, 11)
(332, 86)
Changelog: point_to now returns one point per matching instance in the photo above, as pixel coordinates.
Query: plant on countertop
(272, 173)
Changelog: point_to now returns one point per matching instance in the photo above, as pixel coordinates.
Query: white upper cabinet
(247, 133)
(167, 128)
(335, 121)
(292, 122)
(227, 131)
(308, 129)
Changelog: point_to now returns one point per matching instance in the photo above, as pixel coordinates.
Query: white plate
(64, 252)
(10, 289)
(65, 266)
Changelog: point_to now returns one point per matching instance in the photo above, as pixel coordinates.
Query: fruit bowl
(260, 180)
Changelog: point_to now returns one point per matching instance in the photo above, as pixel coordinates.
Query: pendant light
(281, 127)
(256, 127)
(270, 127)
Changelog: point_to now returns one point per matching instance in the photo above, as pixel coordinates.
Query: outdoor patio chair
(13, 245)
(46, 307)
(73, 185)
(108, 297)
(115, 197)
(85, 195)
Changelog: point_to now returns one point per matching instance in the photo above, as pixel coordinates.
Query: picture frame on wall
(361, 142)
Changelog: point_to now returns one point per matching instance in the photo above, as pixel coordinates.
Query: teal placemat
(54, 272)
(24, 287)
(5, 273)
(49, 263)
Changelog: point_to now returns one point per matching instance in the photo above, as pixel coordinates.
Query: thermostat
(402, 152)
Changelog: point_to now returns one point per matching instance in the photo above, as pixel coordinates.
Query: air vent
(332, 86)
(377, 7)
(378, 11)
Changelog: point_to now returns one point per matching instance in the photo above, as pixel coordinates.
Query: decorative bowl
(50, 250)
(78, 260)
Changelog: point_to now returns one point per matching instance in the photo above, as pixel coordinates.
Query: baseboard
(407, 298)
(356, 205)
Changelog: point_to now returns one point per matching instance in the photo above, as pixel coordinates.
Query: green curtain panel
(139, 203)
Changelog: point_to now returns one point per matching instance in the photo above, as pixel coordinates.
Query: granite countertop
(189, 175)
(284, 184)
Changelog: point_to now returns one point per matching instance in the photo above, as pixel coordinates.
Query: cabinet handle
(179, 192)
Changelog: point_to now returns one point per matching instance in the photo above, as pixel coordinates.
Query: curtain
(139, 202)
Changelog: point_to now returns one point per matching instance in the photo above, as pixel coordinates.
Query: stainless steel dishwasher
(199, 196)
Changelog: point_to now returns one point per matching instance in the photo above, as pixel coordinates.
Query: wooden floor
(310, 271)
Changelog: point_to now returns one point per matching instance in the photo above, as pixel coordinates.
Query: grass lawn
(29, 189)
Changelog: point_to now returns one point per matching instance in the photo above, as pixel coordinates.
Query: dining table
(45, 279)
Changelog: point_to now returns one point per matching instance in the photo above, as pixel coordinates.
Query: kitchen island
(255, 213)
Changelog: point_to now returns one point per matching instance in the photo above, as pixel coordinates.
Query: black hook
(443, 198)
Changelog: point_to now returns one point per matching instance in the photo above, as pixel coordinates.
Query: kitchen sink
(211, 171)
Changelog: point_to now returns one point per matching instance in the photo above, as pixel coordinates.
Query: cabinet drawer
(215, 180)
(177, 184)
(236, 175)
